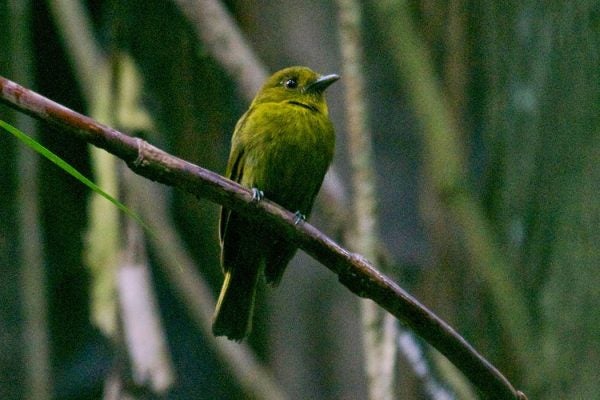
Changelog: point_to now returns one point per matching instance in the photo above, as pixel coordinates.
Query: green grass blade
(37, 147)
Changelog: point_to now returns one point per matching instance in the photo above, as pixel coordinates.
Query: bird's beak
(321, 83)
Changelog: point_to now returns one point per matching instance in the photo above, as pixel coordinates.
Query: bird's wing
(235, 169)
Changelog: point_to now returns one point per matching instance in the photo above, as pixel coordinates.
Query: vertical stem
(93, 74)
(445, 162)
(143, 331)
(35, 326)
(379, 333)
(75, 28)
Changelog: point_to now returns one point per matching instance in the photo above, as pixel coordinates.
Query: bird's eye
(291, 83)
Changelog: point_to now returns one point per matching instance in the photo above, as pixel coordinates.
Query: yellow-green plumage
(281, 146)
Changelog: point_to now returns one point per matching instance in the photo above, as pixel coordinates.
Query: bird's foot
(257, 195)
(299, 217)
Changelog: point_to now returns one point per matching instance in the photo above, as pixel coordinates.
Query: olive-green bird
(281, 149)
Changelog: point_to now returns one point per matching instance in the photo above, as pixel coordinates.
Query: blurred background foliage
(522, 82)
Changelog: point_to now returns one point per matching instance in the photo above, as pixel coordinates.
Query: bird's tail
(233, 314)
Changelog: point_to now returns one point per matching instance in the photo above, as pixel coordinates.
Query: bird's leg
(299, 217)
(257, 195)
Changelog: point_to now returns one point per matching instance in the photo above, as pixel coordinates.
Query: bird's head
(300, 86)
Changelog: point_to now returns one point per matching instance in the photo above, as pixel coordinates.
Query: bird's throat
(304, 105)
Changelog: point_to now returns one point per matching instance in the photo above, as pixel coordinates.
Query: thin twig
(356, 273)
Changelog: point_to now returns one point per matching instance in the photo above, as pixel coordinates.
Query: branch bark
(354, 271)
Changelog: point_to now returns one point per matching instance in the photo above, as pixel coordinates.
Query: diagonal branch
(217, 30)
(355, 272)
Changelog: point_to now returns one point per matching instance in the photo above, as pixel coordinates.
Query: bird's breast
(291, 155)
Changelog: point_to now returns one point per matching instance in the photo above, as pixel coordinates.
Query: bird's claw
(257, 195)
(299, 217)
